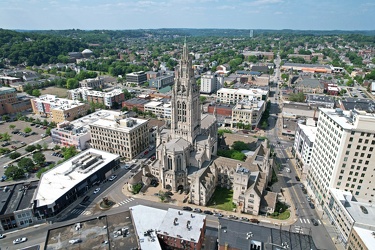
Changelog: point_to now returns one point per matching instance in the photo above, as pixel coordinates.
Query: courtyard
(222, 199)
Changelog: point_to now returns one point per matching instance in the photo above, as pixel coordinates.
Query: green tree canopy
(14, 155)
(26, 164)
(27, 130)
(30, 148)
(12, 126)
(299, 97)
(240, 145)
(14, 172)
(39, 158)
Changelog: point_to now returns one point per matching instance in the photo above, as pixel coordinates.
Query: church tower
(186, 111)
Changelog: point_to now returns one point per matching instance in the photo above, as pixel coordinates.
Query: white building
(62, 185)
(160, 109)
(77, 133)
(248, 112)
(210, 82)
(342, 156)
(344, 212)
(303, 145)
(232, 96)
(89, 95)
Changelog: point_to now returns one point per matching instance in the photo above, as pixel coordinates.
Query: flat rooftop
(182, 224)
(124, 125)
(145, 219)
(242, 91)
(310, 131)
(366, 236)
(62, 178)
(58, 103)
(351, 119)
(85, 121)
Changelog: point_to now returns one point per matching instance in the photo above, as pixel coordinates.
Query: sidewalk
(177, 200)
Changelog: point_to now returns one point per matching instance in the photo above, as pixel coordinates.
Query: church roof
(207, 120)
(177, 144)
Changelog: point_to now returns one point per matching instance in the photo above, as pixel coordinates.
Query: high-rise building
(342, 156)
(210, 82)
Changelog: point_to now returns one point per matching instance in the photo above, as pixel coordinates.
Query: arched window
(179, 163)
(183, 111)
(169, 163)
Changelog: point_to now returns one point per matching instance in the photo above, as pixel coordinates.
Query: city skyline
(239, 14)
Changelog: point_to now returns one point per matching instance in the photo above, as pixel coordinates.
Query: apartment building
(233, 96)
(10, 103)
(345, 213)
(342, 154)
(210, 82)
(127, 137)
(109, 99)
(248, 112)
(59, 109)
(137, 78)
(97, 82)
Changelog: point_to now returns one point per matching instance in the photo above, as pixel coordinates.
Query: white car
(2, 236)
(96, 190)
(112, 177)
(19, 240)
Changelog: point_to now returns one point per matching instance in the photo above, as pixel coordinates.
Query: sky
(154, 14)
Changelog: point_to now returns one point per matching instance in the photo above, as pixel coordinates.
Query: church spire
(185, 52)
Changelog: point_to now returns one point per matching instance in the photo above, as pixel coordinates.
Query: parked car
(218, 215)
(2, 236)
(311, 205)
(208, 212)
(233, 217)
(19, 240)
(146, 152)
(254, 221)
(197, 210)
(187, 208)
(314, 222)
(96, 190)
(297, 178)
(112, 177)
(244, 219)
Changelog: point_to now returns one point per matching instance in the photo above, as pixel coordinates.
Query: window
(343, 165)
(358, 147)
(349, 145)
(351, 139)
(360, 140)
(356, 154)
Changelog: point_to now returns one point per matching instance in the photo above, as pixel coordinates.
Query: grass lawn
(222, 199)
(283, 216)
(60, 92)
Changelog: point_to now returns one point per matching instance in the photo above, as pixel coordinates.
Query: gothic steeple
(186, 113)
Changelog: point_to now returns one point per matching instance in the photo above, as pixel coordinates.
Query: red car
(146, 152)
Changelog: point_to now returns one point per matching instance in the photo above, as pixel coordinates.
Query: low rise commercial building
(67, 182)
(162, 109)
(138, 103)
(248, 112)
(172, 229)
(313, 68)
(137, 78)
(345, 213)
(127, 137)
(59, 109)
(233, 96)
(162, 81)
(16, 209)
(77, 133)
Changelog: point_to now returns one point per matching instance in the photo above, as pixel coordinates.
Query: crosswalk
(278, 145)
(80, 211)
(307, 221)
(125, 201)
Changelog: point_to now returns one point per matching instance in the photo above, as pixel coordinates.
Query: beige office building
(127, 137)
(342, 156)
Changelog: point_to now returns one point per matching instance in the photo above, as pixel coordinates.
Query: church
(191, 141)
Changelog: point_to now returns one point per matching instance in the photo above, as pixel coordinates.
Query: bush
(137, 188)
(14, 155)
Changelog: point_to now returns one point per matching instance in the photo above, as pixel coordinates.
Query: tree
(38, 146)
(220, 132)
(30, 148)
(45, 146)
(72, 83)
(69, 152)
(202, 99)
(27, 130)
(240, 145)
(57, 147)
(36, 92)
(5, 136)
(5, 117)
(12, 126)
(14, 172)
(48, 131)
(299, 97)
(39, 158)
(14, 155)
(26, 163)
